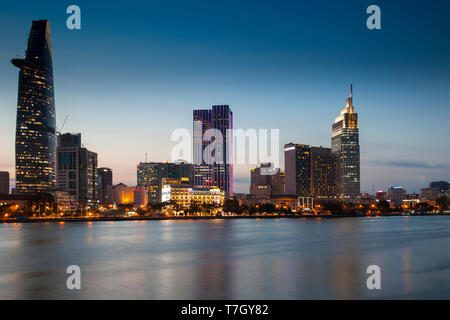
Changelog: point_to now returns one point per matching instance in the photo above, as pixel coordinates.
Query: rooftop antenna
(146, 157)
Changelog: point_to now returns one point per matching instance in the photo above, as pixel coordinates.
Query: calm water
(233, 259)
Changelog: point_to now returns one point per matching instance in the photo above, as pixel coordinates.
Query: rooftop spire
(351, 90)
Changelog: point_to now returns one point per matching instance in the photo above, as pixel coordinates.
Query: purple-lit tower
(218, 174)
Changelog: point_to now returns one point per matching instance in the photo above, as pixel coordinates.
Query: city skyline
(393, 153)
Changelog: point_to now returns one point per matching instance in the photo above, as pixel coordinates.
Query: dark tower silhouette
(36, 124)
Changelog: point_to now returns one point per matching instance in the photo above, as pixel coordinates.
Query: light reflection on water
(228, 259)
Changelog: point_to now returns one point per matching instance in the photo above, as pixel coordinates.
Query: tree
(194, 207)
(174, 206)
(232, 205)
(267, 208)
(424, 207)
(41, 201)
(207, 207)
(156, 206)
(125, 207)
(384, 206)
(442, 203)
(253, 209)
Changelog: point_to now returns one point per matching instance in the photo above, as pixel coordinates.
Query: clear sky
(135, 71)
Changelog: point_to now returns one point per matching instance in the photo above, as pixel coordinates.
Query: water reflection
(228, 259)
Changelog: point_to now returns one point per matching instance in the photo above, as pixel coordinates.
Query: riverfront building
(345, 145)
(310, 171)
(77, 170)
(185, 196)
(151, 175)
(36, 123)
(264, 182)
(396, 195)
(207, 172)
(105, 183)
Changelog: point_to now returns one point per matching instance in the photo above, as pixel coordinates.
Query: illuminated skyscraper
(345, 144)
(36, 124)
(310, 171)
(207, 174)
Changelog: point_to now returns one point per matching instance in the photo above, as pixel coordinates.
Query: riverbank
(150, 218)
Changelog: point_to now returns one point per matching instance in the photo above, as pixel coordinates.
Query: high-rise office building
(220, 173)
(36, 123)
(345, 144)
(441, 186)
(4, 182)
(105, 183)
(151, 175)
(266, 184)
(310, 171)
(77, 170)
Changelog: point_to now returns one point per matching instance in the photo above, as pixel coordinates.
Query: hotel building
(185, 196)
(310, 171)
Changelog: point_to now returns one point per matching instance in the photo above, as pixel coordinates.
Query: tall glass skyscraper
(345, 144)
(36, 123)
(310, 171)
(219, 174)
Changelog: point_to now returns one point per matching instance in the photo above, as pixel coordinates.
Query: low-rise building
(184, 196)
(65, 202)
(122, 194)
(396, 195)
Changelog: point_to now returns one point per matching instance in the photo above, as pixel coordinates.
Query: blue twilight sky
(135, 71)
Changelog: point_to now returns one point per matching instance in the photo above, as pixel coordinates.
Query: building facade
(36, 122)
(151, 175)
(396, 195)
(345, 145)
(65, 202)
(105, 182)
(77, 170)
(263, 183)
(429, 194)
(213, 169)
(441, 186)
(140, 196)
(310, 171)
(184, 196)
(4, 182)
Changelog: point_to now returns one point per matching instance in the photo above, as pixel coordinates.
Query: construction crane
(62, 127)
